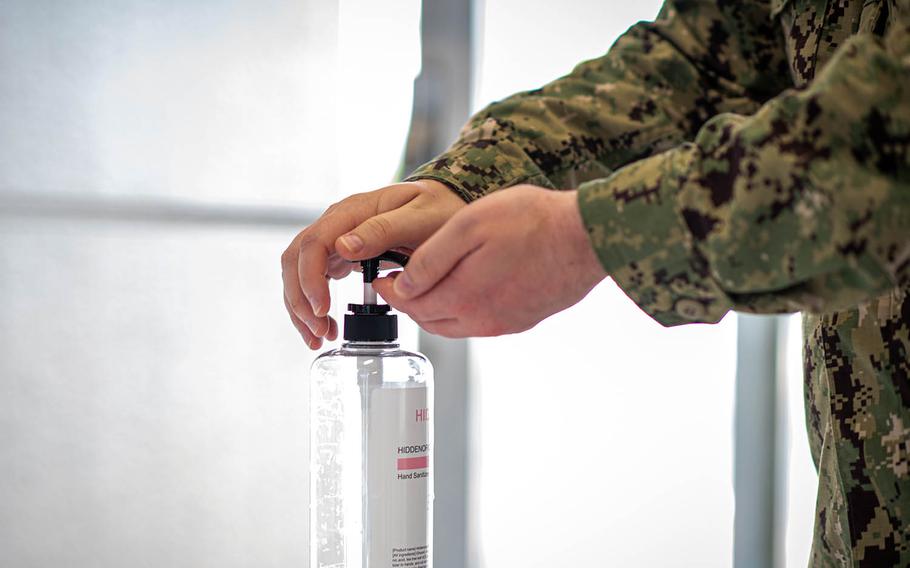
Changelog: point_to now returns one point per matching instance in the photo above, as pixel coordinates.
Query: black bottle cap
(373, 322)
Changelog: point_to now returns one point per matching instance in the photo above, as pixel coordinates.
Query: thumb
(395, 228)
(435, 258)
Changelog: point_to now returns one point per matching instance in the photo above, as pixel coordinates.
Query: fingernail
(403, 285)
(352, 242)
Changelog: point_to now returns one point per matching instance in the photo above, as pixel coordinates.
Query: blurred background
(159, 155)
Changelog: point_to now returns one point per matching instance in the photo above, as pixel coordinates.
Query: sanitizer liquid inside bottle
(371, 454)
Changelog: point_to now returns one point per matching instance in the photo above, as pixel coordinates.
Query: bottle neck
(370, 345)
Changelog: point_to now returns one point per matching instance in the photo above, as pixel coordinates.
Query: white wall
(601, 439)
(152, 390)
(801, 480)
(152, 407)
(214, 100)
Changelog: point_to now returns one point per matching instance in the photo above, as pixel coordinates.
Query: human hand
(500, 265)
(361, 226)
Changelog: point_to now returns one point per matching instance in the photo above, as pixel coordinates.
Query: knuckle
(307, 238)
(298, 306)
(307, 242)
(319, 325)
(346, 201)
(394, 196)
(380, 226)
(331, 208)
(289, 257)
(353, 200)
(381, 196)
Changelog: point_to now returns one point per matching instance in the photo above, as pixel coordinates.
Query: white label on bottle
(399, 479)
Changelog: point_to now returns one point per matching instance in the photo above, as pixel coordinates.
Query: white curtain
(152, 391)
(601, 439)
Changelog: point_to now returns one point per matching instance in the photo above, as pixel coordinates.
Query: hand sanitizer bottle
(371, 436)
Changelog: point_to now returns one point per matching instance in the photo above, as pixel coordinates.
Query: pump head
(370, 321)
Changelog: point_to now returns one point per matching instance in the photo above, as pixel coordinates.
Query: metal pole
(442, 101)
(756, 542)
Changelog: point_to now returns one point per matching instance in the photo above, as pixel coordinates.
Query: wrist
(445, 179)
(440, 194)
(572, 227)
(433, 186)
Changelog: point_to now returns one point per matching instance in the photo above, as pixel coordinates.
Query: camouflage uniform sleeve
(653, 89)
(803, 206)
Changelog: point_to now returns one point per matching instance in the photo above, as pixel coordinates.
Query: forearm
(803, 206)
(653, 90)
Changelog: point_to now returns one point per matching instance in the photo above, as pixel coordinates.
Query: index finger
(317, 243)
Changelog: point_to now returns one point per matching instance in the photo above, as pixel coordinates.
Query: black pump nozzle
(370, 266)
(370, 321)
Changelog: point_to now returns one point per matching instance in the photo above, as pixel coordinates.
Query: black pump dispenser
(370, 321)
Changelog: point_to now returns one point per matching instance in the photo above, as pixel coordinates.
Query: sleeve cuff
(483, 160)
(645, 245)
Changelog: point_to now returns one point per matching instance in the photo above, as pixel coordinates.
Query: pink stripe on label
(421, 462)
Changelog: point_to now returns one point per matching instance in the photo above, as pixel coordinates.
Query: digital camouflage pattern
(754, 156)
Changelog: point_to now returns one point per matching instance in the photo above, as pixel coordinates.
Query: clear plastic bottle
(371, 454)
